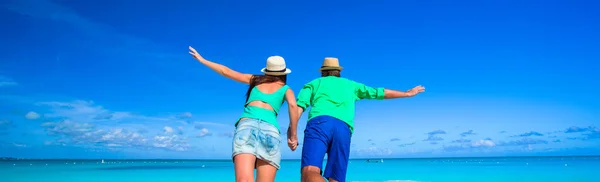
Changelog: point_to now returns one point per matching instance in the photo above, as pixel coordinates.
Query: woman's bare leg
(244, 167)
(265, 172)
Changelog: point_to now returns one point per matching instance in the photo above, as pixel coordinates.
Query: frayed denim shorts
(258, 138)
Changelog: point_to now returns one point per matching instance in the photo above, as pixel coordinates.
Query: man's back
(336, 97)
(331, 120)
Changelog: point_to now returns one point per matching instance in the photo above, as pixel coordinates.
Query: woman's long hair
(260, 79)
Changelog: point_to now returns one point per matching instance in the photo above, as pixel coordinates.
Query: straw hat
(330, 63)
(276, 66)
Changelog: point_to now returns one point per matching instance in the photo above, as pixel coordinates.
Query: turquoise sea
(514, 169)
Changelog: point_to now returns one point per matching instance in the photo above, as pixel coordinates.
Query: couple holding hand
(330, 121)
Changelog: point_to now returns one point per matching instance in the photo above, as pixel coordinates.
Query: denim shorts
(258, 138)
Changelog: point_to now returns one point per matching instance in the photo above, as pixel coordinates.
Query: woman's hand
(222, 70)
(195, 54)
(292, 139)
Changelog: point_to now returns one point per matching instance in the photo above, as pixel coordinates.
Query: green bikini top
(275, 100)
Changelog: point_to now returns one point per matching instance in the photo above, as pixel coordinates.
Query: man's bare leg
(312, 174)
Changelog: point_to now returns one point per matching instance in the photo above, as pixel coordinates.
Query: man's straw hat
(331, 63)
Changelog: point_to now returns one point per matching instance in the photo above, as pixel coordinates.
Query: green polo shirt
(334, 96)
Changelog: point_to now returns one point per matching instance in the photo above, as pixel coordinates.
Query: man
(331, 120)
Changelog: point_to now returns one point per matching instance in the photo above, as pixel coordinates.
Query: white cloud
(168, 129)
(186, 115)
(48, 124)
(19, 145)
(200, 125)
(82, 110)
(88, 111)
(32, 115)
(204, 132)
(483, 143)
(90, 135)
(171, 142)
(5, 82)
(5, 122)
(478, 145)
(88, 124)
(373, 151)
(180, 130)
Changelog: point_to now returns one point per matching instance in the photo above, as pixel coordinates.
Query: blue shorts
(331, 136)
(258, 138)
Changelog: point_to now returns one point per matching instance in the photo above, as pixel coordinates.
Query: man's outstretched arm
(394, 94)
(366, 92)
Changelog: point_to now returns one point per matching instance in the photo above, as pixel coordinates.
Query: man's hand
(416, 90)
(292, 139)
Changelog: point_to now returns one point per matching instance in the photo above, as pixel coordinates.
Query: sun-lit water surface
(526, 169)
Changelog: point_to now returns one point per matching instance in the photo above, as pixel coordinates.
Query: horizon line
(226, 159)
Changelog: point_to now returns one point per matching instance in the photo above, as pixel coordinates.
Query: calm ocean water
(542, 169)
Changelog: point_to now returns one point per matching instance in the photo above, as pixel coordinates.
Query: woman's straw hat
(276, 66)
(330, 63)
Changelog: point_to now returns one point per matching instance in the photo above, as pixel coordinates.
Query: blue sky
(98, 79)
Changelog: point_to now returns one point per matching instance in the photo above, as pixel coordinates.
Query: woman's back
(267, 96)
(264, 102)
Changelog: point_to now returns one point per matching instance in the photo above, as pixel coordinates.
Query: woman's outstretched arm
(222, 70)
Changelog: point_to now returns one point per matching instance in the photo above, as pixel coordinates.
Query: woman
(257, 138)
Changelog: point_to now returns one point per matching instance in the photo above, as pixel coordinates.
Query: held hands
(416, 90)
(195, 54)
(292, 139)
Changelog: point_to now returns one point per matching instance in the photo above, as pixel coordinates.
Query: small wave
(390, 181)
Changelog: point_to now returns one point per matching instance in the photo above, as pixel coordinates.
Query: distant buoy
(202, 165)
(565, 164)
